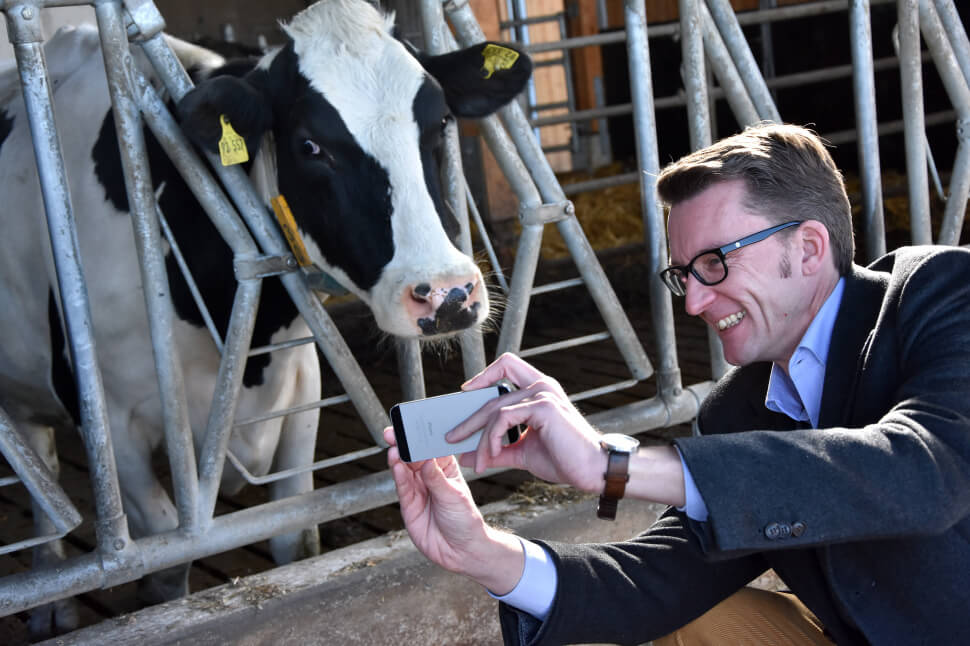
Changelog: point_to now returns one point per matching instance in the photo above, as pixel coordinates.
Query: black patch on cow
(62, 376)
(207, 255)
(340, 196)
(472, 92)
(432, 116)
(6, 125)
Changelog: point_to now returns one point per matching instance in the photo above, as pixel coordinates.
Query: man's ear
(480, 79)
(244, 105)
(814, 247)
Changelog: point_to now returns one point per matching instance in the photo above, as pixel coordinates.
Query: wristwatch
(619, 448)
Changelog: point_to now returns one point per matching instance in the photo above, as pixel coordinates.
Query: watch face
(619, 442)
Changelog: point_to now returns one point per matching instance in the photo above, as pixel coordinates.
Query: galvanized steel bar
(319, 465)
(694, 74)
(730, 29)
(176, 250)
(672, 28)
(24, 31)
(726, 72)
(148, 244)
(693, 71)
(914, 135)
(747, 110)
(453, 178)
(302, 408)
(411, 369)
(37, 478)
(956, 85)
(527, 253)
(486, 241)
(469, 32)
(956, 202)
(566, 343)
(655, 234)
(557, 286)
(603, 390)
(956, 33)
(222, 411)
(867, 125)
(254, 524)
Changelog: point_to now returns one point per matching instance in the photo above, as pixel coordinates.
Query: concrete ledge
(381, 591)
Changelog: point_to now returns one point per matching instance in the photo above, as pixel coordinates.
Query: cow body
(355, 121)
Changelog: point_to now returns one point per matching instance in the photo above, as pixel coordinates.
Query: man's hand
(446, 525)
(558, 444)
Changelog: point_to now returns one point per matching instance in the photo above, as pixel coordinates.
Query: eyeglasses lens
(709, 268)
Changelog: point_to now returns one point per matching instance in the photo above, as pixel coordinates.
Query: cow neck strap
(264, 176)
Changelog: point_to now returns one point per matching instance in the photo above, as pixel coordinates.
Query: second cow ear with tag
(480, 79)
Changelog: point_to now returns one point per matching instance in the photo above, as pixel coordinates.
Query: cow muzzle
(440, 309)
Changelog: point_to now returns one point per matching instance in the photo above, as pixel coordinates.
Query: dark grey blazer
(866, 519)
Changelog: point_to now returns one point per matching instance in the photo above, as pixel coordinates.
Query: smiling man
(837, 452)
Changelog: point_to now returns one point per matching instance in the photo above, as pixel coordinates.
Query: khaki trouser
(752, 617)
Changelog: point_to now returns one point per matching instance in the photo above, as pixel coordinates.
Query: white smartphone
(420, 425)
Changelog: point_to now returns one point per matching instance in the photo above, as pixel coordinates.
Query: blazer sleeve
(896, 464)
(630, 592)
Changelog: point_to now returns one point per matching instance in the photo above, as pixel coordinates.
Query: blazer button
(797, 528)
(773, 531)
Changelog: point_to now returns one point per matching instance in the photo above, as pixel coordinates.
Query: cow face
(357, 122)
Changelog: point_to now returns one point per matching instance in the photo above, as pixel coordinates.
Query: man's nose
(699, 296)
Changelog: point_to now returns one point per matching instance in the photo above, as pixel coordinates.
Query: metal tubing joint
(24, 24)
(145, 19)
(963, 131)
(546, 213)
(248, 268)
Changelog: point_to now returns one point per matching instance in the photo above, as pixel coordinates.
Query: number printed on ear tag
(232, 147)
(497, 58)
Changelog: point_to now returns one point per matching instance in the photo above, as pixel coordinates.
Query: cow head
(357, 121)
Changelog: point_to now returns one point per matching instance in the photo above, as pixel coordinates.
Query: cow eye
(311, 147)
(445, 120)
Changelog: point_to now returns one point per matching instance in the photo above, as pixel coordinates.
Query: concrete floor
(381, 591)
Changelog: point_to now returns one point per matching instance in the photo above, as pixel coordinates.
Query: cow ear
(243, 104)
(480, 79)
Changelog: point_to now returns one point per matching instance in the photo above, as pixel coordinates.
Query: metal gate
(710, 34)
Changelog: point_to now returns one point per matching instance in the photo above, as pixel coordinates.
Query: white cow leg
(296, 448)
(148, 507)
(60, 616)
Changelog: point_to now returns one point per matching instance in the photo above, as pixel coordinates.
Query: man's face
(762, 309)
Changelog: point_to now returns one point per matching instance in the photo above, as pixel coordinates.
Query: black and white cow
(356, 120)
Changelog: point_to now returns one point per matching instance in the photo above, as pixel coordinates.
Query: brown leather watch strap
(617, 474)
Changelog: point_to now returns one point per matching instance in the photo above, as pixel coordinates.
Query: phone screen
(420, 425)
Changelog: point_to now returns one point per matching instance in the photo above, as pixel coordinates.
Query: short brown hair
(788, 175)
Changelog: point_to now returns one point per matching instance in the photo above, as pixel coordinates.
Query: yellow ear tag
(498, 58)
(285, 217)
(232, 147)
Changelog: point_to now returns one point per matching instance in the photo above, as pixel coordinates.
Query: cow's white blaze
(347, 53)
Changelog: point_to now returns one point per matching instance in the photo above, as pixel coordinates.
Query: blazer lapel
(854, 324)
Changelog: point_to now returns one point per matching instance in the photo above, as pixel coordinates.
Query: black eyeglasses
(709, 267)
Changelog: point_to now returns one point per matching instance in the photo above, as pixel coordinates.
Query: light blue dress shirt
(797, 394)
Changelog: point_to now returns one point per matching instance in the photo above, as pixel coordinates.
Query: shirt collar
(798, 394)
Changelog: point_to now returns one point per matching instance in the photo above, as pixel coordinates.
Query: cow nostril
(469, 287)
(421, 292)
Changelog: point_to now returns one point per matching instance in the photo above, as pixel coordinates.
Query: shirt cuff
(694, 505)
(536, 589)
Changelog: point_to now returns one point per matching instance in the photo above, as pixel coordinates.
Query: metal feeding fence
(710, 35)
